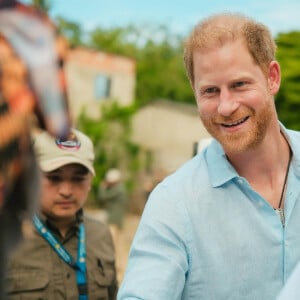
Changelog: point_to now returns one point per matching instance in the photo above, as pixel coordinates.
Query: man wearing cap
(68, 256)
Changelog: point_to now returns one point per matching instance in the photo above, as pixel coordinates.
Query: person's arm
(158, 261)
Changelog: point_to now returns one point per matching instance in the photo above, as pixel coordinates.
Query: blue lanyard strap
(79, 265)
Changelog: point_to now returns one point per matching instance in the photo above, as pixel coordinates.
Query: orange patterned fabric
(32, 91)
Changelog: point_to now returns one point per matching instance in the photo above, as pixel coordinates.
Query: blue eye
(211, 90)
(239, 84)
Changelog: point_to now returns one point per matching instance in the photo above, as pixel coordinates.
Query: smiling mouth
(228, 125)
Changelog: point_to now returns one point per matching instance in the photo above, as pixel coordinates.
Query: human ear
(274, 77)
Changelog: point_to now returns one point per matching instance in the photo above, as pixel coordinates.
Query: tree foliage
(71, 30)
(158, 53)
(43, 5)
(111, 139)
(288, 98)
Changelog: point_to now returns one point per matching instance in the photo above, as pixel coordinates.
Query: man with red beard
(226, 224)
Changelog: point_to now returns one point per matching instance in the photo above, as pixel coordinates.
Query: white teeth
(236, 123)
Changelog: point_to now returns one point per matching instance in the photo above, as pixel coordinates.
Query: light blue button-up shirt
(291, 290)
(206, 234)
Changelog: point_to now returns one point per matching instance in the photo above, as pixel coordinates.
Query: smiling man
(226, 224)
(68, 256)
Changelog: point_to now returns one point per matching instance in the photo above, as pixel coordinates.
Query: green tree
(288, 99)
(116, 40)
(158, 53)
(43, 5)
(111, 139)
(161, 73)
(71, 30)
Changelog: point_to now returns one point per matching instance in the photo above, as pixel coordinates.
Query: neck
(267, 159)
(282, 196)
(266, 168)
(63, 224)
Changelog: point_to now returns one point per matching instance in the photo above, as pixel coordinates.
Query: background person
(226, 224)
(68, 254)
(112, 195)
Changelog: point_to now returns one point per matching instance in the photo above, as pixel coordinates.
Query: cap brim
(53, 164)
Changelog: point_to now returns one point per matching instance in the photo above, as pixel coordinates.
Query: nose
(227, 103)
(65, 189)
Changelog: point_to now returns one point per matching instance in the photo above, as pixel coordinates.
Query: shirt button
(68, 275)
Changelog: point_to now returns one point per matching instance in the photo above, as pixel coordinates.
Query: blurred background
(129, 92)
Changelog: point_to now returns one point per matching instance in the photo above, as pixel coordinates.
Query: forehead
(229, 55)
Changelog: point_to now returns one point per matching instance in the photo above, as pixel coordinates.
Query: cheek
(83, 191)
(206, 108)
(256, 100)
(45, 200)
(47, 192)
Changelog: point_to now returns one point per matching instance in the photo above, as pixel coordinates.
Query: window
(102, 86)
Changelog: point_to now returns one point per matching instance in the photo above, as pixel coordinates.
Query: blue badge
(71, 143)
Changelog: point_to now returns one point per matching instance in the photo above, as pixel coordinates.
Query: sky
(178, 15)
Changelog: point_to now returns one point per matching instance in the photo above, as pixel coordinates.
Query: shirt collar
(293, 139)
(221, 171)
(53, 228)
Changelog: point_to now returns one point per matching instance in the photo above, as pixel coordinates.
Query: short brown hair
(216, 30)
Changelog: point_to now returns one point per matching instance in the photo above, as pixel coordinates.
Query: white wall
(170, 131)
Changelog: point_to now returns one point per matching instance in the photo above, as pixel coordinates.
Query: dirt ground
(126, 237)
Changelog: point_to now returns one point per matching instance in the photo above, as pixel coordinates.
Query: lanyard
(79, 265)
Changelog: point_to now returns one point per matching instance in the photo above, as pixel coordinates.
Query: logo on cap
(71, 143)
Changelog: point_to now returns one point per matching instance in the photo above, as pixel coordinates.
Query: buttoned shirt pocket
(27, 285)
(102, 283)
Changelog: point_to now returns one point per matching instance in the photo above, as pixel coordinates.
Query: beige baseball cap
(53, 153)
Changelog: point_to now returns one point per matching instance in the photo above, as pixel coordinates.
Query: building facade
(95, 77)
